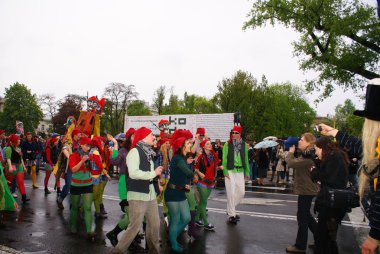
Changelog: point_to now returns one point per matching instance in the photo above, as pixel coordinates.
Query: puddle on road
(38, 234)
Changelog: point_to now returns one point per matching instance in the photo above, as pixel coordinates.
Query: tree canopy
(118, 97)
(269, 110)
(70, 105)
(340, 39)
(346, 120)
(20, 105)
(138, 108)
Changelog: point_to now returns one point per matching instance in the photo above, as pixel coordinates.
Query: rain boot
(34, 177)
(24, 199)
(192, 231)
(112, 235)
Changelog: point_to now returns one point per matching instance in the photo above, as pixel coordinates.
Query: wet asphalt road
(268, 225)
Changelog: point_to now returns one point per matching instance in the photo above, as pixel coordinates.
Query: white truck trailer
(217, 126)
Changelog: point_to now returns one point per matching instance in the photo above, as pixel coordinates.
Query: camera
(318, 128)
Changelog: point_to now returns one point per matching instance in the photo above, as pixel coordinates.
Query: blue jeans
(305, 221)
(66, 188)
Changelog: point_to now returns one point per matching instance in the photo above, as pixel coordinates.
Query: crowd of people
(180, 171)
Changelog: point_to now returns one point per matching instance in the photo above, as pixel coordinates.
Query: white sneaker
(166, 221)
(14, 194)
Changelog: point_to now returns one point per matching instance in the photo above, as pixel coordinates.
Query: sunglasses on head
(201, 135)
(235, 132)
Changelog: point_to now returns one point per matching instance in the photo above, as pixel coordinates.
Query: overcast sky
(63, 47)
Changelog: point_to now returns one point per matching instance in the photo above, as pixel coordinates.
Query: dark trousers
(328, 222)
(305, 221)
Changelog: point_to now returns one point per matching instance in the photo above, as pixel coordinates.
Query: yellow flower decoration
(378, 148)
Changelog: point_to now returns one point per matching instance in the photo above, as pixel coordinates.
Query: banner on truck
(217, 126)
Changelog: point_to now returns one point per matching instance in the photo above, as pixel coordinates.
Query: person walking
(15, 164)
(207, 164)
(235, 163)
(51, 155)
(29, 153)
(141, 192)
(81, 186)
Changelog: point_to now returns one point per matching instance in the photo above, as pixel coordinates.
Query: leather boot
(112, 235)
(192, 231)
(123, 204)
(24, 199)
(102, 210)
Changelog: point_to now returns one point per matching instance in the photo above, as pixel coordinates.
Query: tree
(138, 108)
(340, 39)
(159, 98)
(346, 120)
(48, 104)
(70, 105)
(118, 97)
(266, 110)
(20, 104)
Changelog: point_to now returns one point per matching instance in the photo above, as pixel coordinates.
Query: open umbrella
(120, 136)
(265, 144)
(270, 138)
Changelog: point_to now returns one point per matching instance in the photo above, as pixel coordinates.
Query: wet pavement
(268, 225)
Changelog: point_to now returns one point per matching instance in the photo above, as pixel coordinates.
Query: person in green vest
(142, 195)
(235, 164)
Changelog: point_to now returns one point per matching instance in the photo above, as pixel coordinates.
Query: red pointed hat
(96, 141)
(140, 134)
(163, 121)
(85, 141)
(203, 143)
(176, 144)
(13, 138)
(130, 132)
(75, 132)
(201, 131)
(238, 128)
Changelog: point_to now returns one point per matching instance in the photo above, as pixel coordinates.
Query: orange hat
(140, 134)
(85, 141)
